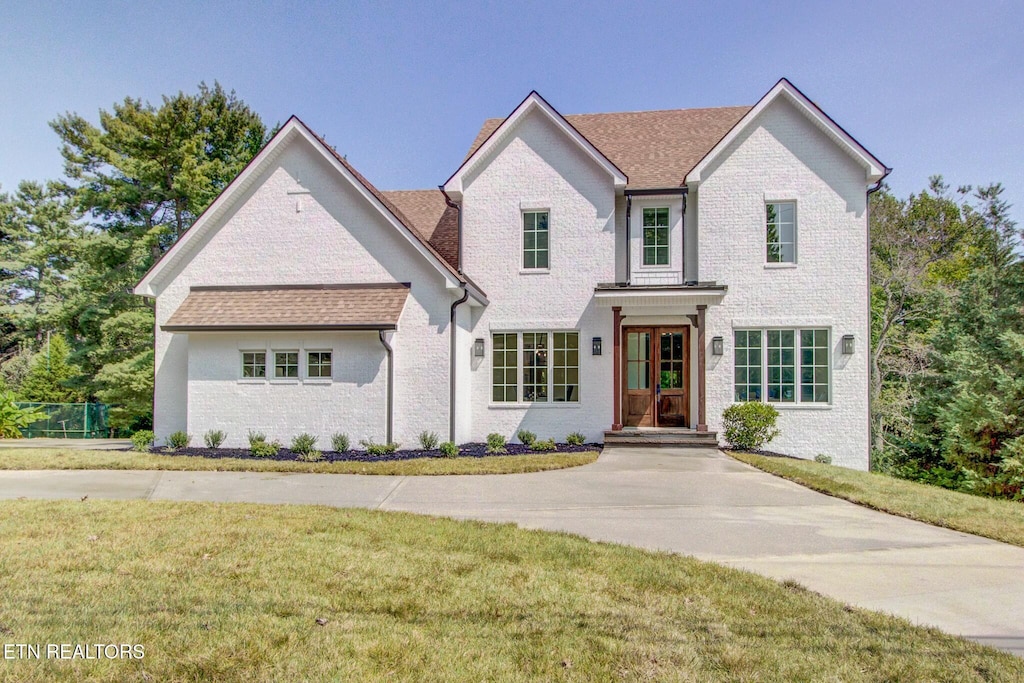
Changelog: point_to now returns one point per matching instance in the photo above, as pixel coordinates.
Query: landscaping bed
(470, 450)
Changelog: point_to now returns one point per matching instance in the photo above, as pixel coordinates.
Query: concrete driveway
(690, 501)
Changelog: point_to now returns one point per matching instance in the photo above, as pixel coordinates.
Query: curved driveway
(693, 501)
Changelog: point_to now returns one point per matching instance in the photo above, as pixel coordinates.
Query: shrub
(496, 443)
(142, 440)
(179, 439)
(214, 438)
(339, 442)
(311, 456)
(374, 448)
(544, 445)
(13, 419)
(263, 449)
(823, 459)
(575, 439)
(303, 444)
(526, 437)
(256, 437)
(428, 440)
(449, 449)
(749, 426)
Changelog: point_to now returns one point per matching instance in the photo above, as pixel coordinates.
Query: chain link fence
(70, 421)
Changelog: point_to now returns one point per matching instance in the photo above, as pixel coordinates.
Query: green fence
(70, 421)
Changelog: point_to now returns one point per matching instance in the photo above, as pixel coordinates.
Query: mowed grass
(1002, 520)
(232, 592)
(67, 459)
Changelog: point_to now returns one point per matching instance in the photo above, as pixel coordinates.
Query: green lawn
(1002, 520)
(66, 459)
(232, 592)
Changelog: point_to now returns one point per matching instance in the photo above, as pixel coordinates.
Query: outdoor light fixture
(847, 344)
(478, 348)
(717, 346)
(597, 346)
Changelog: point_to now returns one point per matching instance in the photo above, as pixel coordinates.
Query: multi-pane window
(655, 237)
(318, 364)
(535, 239)
(638, 360)
(565, 367)
(537, 366)
(254, 364)
(747, 365)
(504, 359)
(814, 366)
(780, 218)
(286, 364)
(788, 376)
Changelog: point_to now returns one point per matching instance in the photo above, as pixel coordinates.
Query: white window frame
(242, 364)
(523, 268)
(796, 230)
(320, 378)
(298, 365)
(797, 401)
(668, 238)
(520, 368)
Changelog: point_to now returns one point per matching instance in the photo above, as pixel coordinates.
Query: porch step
(668, 438)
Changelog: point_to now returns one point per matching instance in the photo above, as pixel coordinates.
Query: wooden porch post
(702, 419)
(617, 369)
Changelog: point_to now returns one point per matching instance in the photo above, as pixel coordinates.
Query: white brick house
(576, 273)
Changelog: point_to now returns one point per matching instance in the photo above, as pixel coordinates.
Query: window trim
(318, 378)
(797, 403)
(523, 268)
(668, 239)
(520, 368)
(241, 366)
(298, 365)
(796, 230)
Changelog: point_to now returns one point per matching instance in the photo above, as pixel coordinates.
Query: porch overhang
(630, 296)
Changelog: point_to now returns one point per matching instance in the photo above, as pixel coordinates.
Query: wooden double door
(656, 373)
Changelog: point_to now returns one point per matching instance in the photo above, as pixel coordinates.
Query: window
(535, 239)
(748, 365)
(787, 377)
(781, 222)
(254, 364)
(505, 367)
(537, 366)
(656, 237)
(318, 364)
(286, 364)
(814, 366)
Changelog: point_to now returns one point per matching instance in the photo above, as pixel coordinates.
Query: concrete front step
(672, 438)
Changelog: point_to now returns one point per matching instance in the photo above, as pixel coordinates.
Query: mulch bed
(469, 450)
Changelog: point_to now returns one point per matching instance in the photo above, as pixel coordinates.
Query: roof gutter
(391, 385)
(655, 191)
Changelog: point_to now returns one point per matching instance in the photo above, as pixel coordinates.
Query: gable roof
(432, 218)
(292, 129)
(533, 102)
(874, 168)
(655, 149)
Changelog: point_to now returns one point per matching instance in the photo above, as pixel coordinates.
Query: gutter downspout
(629, 247)
(391, 382)
(867, 218)
(451, 326)
(682, 239)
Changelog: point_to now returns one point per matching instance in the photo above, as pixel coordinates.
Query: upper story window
(318, 364)
(535, 239)
(780, 219)
(655, 237)
(286, 364)
(254, 364)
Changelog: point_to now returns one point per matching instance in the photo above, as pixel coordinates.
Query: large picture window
(655, 237)
(780, 219)
(535, 239)
(539, 367)
(789, 376)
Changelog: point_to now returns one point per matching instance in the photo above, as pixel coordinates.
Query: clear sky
(401, 89)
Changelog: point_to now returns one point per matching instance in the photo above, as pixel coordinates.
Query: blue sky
(402, 89)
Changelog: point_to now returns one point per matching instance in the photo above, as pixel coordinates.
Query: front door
(657, 370)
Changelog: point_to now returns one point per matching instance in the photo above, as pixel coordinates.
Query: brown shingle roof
(655, 149)
(431, 217)
(290, 307)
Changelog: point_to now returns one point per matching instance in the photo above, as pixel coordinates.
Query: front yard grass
(1001, 520)
(233, 592)
(67, 459)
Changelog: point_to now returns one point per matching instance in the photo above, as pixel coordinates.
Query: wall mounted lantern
(717, 346)
(478, 348)
(596, 349)
(847, 344)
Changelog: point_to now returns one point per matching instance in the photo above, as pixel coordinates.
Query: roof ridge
(661, 111)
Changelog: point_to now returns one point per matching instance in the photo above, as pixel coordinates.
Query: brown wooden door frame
(653, 375)
(673, 405)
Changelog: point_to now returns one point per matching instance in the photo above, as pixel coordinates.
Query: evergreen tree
(49, 375)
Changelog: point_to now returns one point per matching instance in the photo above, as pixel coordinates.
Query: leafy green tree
(50, 374)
